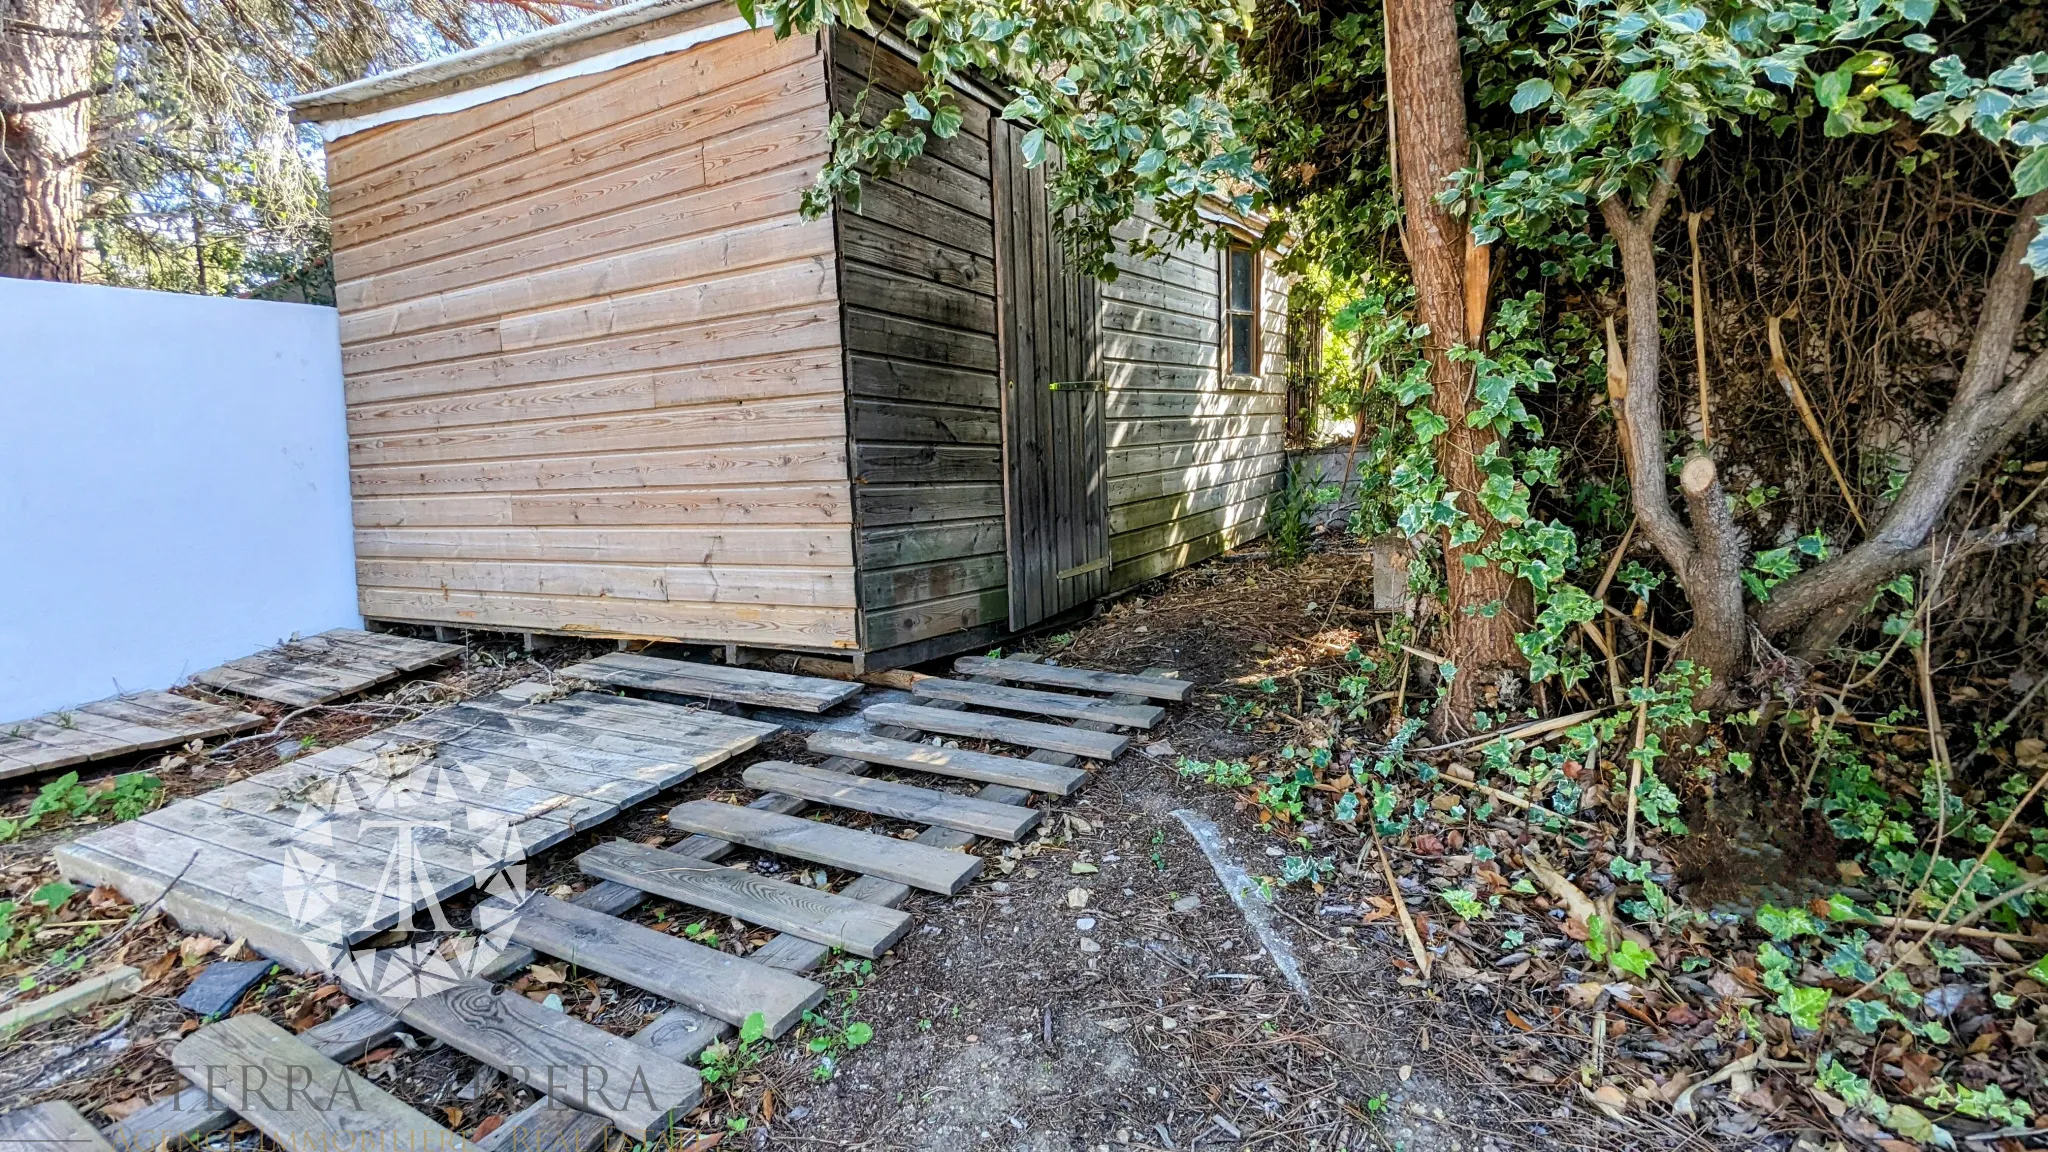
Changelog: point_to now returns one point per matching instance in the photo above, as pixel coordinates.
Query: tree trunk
(1708, 556)
(1426, 86)
(46, 93)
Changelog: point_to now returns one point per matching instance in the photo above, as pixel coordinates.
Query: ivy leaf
(2031, 174)
(2037, 249)
(1531, 94)
(946, 122)
(915, 107)
(53, 895)
(1866, 1015)
(1918, 11)
(1805, 1005)
(1642, 87)
(1633, 958)
(1832, 89)
(858, 1033)
(1033, 147)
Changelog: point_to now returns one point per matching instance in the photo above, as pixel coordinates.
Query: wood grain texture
(325, 667)
(116, 726)
(1003, 698)
(1086, 679)
(1025, 733)
(860, 928)
(568, 317)
(716, 681)
(51, 1125)
(906, 863)
(959, 763)
(641, 1092)
(298, 1097)
(716, 983)
(897, 801)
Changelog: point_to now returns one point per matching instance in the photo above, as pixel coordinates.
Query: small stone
(220, 985)
(1088, 945)
(1000, 886)
(1085, 923)
(1187, 904)
(553, 1003)
(1077, 897)
(1406, 1071)
(1168, 1023)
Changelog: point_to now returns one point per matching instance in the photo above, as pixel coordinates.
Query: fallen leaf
(123, 1109)
(491, 1124)
(1515, 1019)
(1611, 1100)
(193, 948)
(545, 974)
(454, 1114)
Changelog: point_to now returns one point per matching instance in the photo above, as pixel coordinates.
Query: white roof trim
(483, 94)
(517, 48)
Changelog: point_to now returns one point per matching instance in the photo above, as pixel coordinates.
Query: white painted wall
(173, 487)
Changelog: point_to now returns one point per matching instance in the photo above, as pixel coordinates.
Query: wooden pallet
(714, 682)
(333, 664)
(713, 990)
(287, 856)
(116, 726)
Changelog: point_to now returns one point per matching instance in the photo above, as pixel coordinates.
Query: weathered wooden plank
(896, 801)
(1059, 704)
(858, 927)
(903, 862)
(191, 1113)
(187, 718)
(116, 726)
(1027, 733)
(638, 1090)
(116, 983)
(715, 983)
(960, 763)
(716, 681)
(53, 1124)
(1158, 688)
(250, 1062)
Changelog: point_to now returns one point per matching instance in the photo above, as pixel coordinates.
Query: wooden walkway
(714, 681)
(116, 726)
(332, 848)
(712, 991)
(326, 667)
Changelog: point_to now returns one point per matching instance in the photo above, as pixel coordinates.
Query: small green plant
(831, 1039)
(1290, 517)
(1216, 773)
(727, 1060)
(65, 798)
(702, 934)
(1464, 903)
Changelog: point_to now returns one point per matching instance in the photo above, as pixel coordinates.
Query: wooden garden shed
(604, 379)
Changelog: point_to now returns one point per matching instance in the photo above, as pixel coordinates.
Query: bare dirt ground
(1096, 989)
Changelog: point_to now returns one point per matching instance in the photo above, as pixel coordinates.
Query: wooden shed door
(1055, 472)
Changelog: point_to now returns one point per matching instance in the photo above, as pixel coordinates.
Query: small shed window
(1240, 310)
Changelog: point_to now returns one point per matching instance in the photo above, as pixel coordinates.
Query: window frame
(1239, 381)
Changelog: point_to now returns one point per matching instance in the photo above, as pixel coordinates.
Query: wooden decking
(712, 990)
(325, 667)
(714, 681)
(299, 859)
(116, 726)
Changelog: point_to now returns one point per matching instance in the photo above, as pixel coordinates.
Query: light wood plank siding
(917, 275)
(594, 370)
(1191, 463)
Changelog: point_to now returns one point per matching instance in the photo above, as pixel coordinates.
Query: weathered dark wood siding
(917, 282)
(1192, 463)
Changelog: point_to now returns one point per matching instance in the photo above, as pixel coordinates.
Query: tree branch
(1989, 409)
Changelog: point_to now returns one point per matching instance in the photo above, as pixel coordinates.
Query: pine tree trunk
(46, 93)
(1427, 86)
